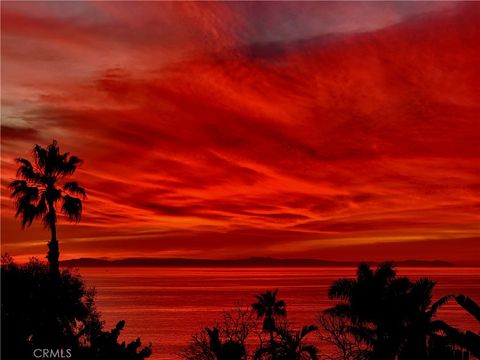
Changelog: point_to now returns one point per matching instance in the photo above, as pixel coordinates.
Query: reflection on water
(166, 306)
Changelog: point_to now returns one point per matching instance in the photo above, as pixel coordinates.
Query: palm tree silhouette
(292, 345)
(268, 307)
(37, 193)
(393, 315)
(421, 324)
(373, 304)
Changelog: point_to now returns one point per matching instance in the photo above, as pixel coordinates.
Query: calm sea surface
(165, 306)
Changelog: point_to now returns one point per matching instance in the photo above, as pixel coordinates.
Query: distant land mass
(250, 262)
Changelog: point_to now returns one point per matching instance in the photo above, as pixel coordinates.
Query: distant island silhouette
(248, 262)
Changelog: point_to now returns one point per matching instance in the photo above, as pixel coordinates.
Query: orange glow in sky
(342, 131)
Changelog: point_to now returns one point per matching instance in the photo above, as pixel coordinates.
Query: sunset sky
(333, 130)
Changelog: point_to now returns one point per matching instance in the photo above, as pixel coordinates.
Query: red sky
(224, 130)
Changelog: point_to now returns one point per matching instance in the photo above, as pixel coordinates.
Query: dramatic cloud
(335, 130)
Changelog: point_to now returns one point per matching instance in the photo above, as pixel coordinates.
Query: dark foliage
(225, 340)
(38, 312)
(228, 350)
(393, 317)
(292, 344)
(231, 339)
(342, 344)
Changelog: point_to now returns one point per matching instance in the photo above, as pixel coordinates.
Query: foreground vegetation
(377, 316)
(41, 311)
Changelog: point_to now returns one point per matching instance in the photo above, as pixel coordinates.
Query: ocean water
(166, 306)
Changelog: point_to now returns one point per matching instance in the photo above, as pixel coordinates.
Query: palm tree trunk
(272, 344)
(53, 252)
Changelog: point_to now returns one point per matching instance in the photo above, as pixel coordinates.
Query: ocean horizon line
(244, 262)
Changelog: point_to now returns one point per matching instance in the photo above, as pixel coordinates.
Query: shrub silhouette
(291, 345)
(104, 345)
(225, 340)
(343, 345)
(229, 350)
(36, 316)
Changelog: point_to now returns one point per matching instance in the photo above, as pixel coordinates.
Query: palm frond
(469, 305)
(385, 271)
(26, 211)
(399, 286)
(69, 166)
(54, 158)
(260, 298)
(279, 308)
(452, 333)
(75, 189)
(363, 334)
(26, 171)
(311, 350)
(17, 184)
(422, 290)
(42, 205)
(20, 188)
(30, 202)
(24, 162)
(342, 289)
(341, 310)
(439, 303)
(307, 330)
(40, 156)
(25, 198)
(364, 272)
(259, 309)
(72, 208)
